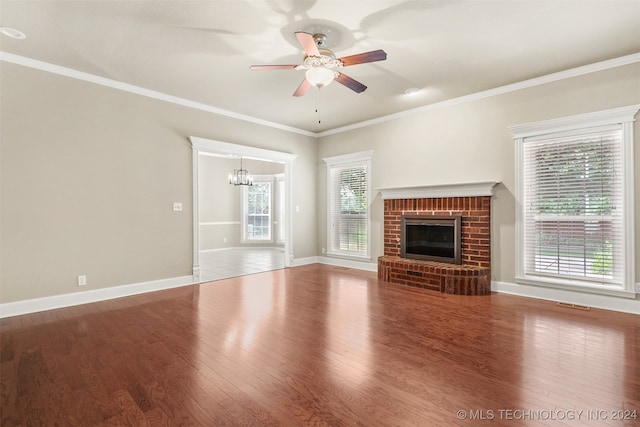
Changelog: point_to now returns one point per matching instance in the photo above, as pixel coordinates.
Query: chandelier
(240, 176)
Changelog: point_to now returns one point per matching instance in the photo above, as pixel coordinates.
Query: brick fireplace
(472, 202)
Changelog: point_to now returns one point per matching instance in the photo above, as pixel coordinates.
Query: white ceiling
(202, 50)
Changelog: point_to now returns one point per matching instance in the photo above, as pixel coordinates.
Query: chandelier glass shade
(240, 176)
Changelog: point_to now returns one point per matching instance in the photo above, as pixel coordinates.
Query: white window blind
(573, 205)
(348, 215)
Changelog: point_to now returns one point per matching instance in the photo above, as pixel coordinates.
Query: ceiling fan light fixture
(320, 76)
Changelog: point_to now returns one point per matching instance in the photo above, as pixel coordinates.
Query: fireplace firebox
(432, 238)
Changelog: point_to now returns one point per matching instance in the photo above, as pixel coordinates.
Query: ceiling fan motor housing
(320, 40)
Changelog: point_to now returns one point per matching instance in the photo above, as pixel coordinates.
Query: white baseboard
(217, 249)
(67, 300)
(605, 302)
(266, 246)
(297, 262)
(339, 262)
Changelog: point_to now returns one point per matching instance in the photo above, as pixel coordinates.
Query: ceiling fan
(322, 65)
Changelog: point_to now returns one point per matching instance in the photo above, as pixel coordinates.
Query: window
(575, 210)
(348, 215)
(256, 209)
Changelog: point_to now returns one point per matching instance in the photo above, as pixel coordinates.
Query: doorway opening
(230, 237)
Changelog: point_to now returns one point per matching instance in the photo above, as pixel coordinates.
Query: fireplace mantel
(468, 189)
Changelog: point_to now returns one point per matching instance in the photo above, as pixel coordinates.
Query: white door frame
(226, 149)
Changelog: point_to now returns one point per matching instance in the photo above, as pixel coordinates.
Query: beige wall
(89, 175)
(472, 142)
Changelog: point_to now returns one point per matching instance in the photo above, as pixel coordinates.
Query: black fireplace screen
(434, 238)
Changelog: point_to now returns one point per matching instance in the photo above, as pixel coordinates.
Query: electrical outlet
(82, 280)
(323, 250)
(177, 207)
(224, 240)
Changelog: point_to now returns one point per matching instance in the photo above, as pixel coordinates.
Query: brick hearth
(473, 277)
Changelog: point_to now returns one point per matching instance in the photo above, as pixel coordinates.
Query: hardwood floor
(319, 345)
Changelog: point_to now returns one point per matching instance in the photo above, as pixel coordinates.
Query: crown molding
(549, 78)
(126, 87)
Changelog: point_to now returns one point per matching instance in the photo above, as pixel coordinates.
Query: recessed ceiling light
(412, 91)
(13, 33)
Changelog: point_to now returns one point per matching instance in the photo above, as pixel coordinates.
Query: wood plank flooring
(319, 346)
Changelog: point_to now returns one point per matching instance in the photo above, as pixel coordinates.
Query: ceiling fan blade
(354, 85)
(272, 67)
(303, 88)
(361, 58)
(308, 43)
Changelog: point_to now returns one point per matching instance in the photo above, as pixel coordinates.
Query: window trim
(280, 209)
(340, 161)
(244, 211)
(624, 117)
